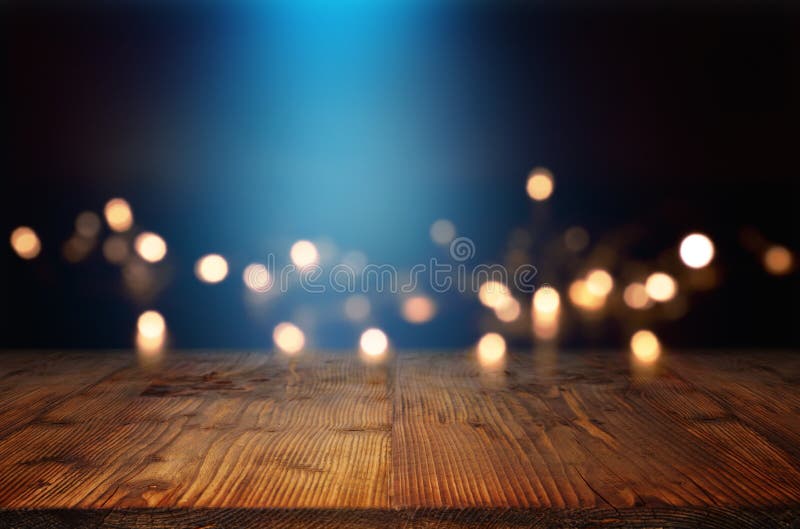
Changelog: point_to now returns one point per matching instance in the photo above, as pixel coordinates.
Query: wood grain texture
(585, 431)
(426, 440)
(204, 430)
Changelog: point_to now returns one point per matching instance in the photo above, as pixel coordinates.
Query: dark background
(239, 130)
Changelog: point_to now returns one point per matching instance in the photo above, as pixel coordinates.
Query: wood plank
(32, 382)
(209, 430)
(583, 431)
(430, 440)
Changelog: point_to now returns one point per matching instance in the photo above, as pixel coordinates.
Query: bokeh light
(491, 348)
(545, 314)
(139, 279)
(87, 224)
(150, 347)
(508, 311)
(660, 286)
(374, 342)
(645, 346)
(419, 309)
(576, 239)
(493, 294)
(696, 250)
(25, 242)
(304, 253)
(635, 296)
(443, 232)
(582, 297)
(118, 214)
(546, 300)
(211, 268)
(288, 338)
(257, 278)
(77, 248)
(599, 282)
(150, 247)
(540, 184)
(151, 324)
(778, 260)
(357, 308)
(115, 249)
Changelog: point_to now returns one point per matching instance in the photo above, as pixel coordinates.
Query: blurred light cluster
(601, 282)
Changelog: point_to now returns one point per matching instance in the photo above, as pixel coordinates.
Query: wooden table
(544, 439)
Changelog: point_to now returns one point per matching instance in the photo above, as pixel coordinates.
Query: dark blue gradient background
(238, 130)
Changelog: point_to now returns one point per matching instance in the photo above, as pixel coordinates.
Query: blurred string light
(151, 324)
(87, 224)
(508, 311)
(660, 286)
(257, 278)
(151, 332)
(118, 214)
(25, 242)
(645, 346)
(493, 294)
(696, 250)
(546, 307)
(546, 300)
(77, 248)
(582, 297)
(288, 338)
(635, 296)
(419, 309)
(150, 346)
(150, 247)
(304, 253)
(443, 232)
(540, 184)
(139, 279)
(115, 249)
(778, 260)
(357, 308)
(599, 282)
(374, 342)
(211, 268)
(491, 349)
(576, 239)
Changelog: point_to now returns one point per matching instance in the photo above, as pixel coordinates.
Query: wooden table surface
(544, 439)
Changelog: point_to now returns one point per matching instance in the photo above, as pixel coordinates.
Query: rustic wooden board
(590, 431)
(428, 440)
(205, 430)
